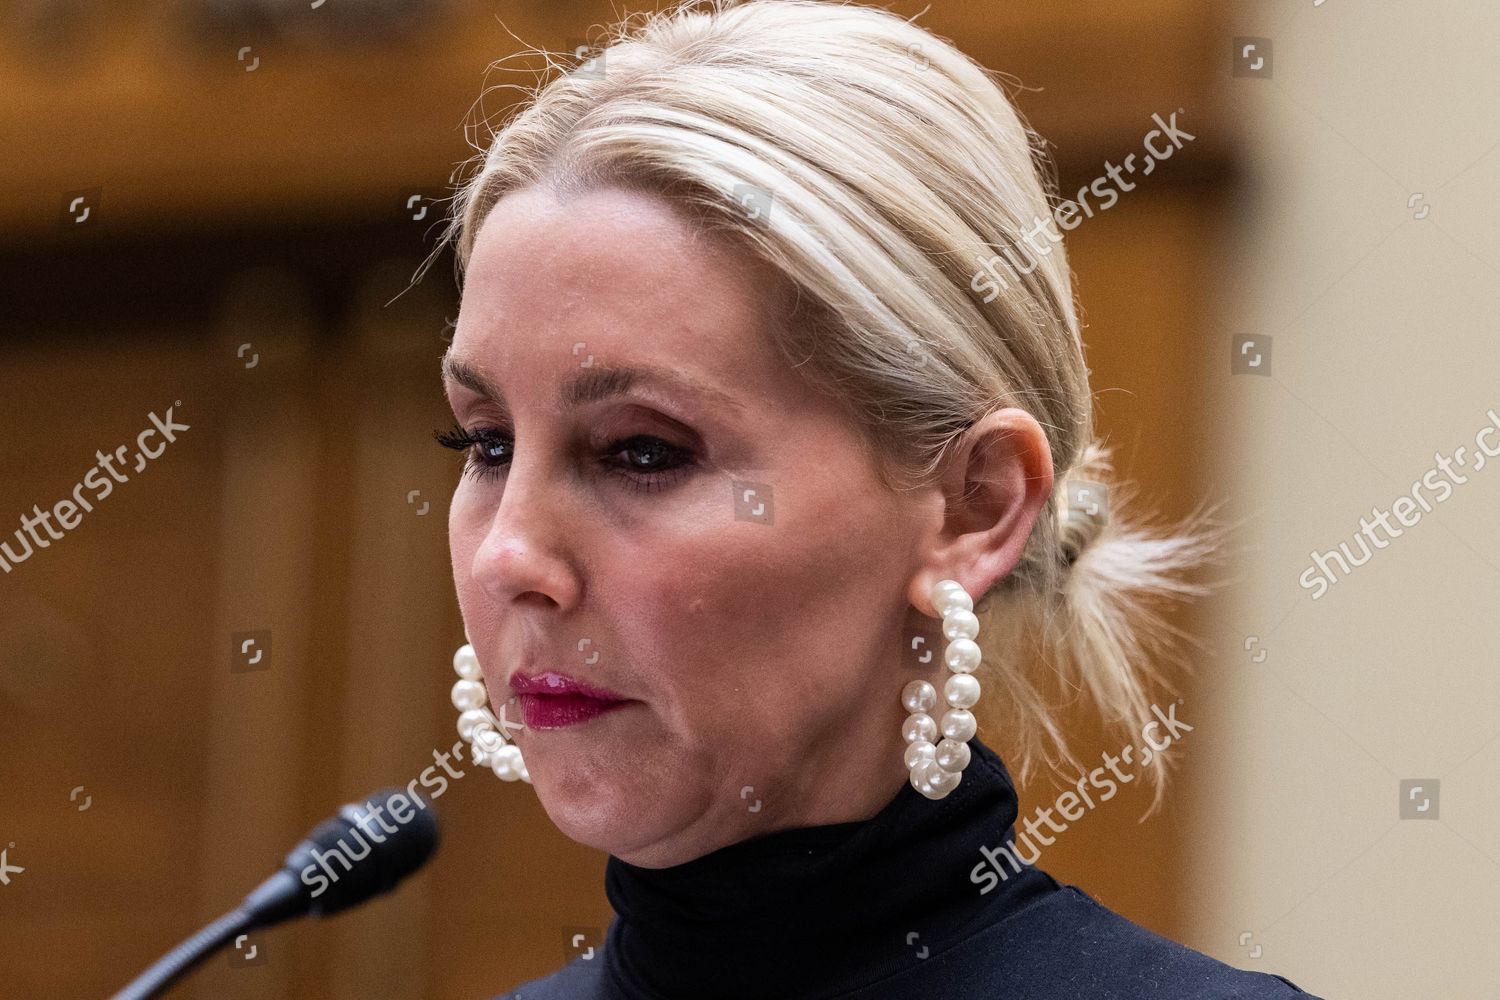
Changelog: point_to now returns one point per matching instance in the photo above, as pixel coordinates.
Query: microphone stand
(176, 963)
(385, 862)
(275, 899)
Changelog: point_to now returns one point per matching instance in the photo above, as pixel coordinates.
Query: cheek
(468, 521)
(757, 629)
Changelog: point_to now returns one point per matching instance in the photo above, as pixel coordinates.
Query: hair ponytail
(1082, 616)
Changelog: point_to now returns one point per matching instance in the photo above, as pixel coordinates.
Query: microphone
(348, 858)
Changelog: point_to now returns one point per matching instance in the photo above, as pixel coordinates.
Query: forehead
(619, 276)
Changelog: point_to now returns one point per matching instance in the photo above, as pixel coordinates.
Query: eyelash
(480, 467)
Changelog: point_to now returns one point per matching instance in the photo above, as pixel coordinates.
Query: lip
(552, 700)
(552, 683)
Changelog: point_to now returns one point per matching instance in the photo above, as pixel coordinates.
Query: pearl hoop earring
(478, 726)
(937, 765)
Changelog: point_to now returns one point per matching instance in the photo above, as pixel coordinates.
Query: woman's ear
(994, 484)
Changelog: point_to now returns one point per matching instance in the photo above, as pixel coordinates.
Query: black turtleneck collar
(820, 910)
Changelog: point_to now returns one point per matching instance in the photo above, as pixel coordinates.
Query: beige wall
(1384, 352)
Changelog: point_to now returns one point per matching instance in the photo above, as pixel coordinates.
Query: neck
(762, 911)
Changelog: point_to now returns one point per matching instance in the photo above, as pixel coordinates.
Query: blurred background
(219, 207)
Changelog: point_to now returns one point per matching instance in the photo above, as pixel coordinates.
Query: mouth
(552, 700)
(556, 711)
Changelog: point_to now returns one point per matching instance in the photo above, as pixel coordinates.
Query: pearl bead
(919, 696)
(945, 782)
(525, 774)
(951, 755)
(958, 724)
(507, 763)
(962, 656)
(925, 772)
(466, 664)
(962, 690)
(919, 726)
(468, 694)
(471, 717)
(947, 599)
(486, 738)
(918, 751)
(960, 624)
(932, 781)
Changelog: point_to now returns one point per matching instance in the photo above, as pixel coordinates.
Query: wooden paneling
(172, 126)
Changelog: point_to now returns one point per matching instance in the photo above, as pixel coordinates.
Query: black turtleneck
(888, 908)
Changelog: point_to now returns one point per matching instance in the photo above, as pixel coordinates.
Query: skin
(768, 655)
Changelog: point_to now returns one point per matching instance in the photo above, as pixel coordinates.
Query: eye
(487, 449)
(645, 462)
(654, 463)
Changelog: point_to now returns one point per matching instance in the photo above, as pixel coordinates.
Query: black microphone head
(363, 851)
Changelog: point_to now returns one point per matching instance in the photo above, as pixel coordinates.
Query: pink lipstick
(552, 700)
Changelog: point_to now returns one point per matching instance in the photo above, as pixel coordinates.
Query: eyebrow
(592, 384)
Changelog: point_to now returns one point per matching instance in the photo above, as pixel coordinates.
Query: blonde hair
(886, 166)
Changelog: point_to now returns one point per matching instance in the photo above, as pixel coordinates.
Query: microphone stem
(185, 956)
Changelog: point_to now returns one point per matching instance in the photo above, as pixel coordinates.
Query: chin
(630, 822)
(612, 791)
(588, 807)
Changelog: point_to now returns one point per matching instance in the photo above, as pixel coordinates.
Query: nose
(523, 554)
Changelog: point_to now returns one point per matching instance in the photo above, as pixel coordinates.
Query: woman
(757, 431)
